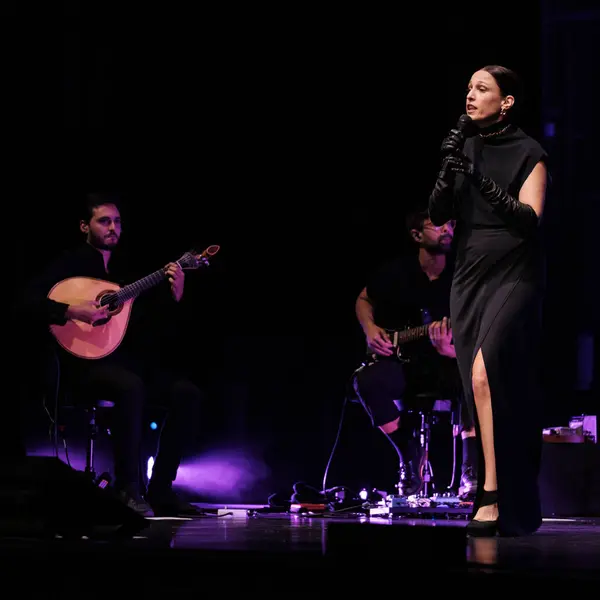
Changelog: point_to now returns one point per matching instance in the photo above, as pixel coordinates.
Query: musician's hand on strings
(176, 279)
(440, 335)
(378, 341)
(87, 312)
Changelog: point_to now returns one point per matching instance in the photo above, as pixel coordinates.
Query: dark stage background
(298, 141)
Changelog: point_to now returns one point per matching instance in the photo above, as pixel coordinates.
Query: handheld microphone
(463, 129)
(464, 122)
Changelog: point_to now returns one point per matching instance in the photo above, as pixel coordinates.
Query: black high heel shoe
(477, 528)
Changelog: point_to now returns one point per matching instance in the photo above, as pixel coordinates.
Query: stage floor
(275, 549)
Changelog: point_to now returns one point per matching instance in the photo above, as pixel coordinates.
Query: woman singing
(493, 181)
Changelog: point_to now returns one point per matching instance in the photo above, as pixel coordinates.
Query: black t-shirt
(403, 296)
(400, 290)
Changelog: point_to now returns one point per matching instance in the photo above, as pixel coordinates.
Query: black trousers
(130, 392)
(383, 385)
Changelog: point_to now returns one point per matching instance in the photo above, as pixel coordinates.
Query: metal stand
(89, 453)
(425, 465)
(427, 503)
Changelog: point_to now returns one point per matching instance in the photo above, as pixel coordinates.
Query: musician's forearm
(57, 312)
(364, 313)
(46, 311)
(35, 298)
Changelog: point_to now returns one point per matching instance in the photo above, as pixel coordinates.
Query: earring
(503, 112)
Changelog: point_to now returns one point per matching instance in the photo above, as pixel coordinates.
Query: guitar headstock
(193, 260)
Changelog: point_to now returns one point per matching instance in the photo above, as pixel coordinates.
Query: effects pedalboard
(447, 505)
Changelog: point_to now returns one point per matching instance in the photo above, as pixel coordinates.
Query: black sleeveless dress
(495, 306)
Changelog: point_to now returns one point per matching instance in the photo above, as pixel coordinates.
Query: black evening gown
(495, 306)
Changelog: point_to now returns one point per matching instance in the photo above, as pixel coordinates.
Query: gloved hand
(459, 163)
(453, 142)
(518, 214)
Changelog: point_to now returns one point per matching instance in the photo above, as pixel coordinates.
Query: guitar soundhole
(110, 299)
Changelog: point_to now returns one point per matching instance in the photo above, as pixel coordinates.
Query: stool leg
(89, 455)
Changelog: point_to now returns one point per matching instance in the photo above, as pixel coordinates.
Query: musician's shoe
(468, 483)
(410, 481)
(166, 503)
(133, 500)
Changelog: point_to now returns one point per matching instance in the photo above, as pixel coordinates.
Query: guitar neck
(133, 290)
(414, 333)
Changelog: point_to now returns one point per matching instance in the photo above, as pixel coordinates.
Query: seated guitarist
(134, 369)
(412, 291)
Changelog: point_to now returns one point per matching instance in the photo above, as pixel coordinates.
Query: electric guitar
(101, 339)
(400, 338)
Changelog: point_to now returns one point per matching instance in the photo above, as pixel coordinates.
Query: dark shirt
(403, 296)
(400, 290)
(153, 317)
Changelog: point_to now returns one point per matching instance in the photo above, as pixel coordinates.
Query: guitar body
(104, 337)
(398, 352)
(401, 340)
(84, 340)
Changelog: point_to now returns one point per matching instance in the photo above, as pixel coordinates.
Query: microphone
(464, 122)
(463, 129)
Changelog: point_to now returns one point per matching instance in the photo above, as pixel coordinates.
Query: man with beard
(136, 370)
(411, 291)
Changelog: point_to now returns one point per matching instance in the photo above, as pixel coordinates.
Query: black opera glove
(518, 213)
(453, 142)
(459, 163)
(441, 199)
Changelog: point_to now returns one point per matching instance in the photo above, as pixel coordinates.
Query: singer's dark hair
(510, 85)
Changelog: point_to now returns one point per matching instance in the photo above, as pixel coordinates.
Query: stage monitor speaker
(569, 480)
(407, 545)
(44, 497)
